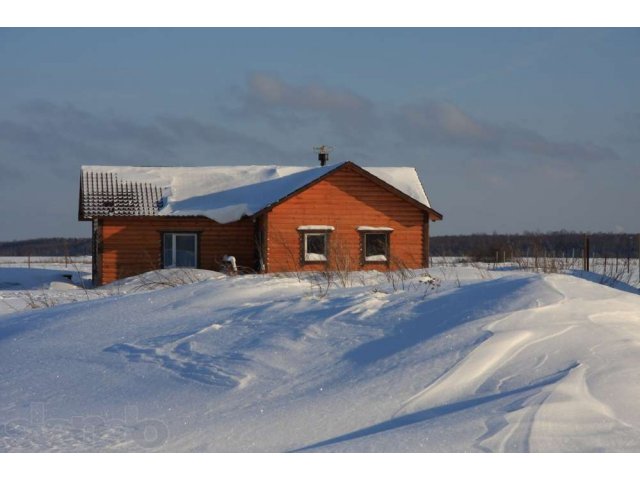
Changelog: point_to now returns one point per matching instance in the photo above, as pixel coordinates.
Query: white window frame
(173, 247)
(320, 257)
(376, 258)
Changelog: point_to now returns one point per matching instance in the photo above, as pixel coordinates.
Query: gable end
(432, 214)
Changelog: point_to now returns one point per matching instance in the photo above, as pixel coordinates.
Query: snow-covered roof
(224, 194)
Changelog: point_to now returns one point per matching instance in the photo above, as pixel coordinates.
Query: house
(269, 218)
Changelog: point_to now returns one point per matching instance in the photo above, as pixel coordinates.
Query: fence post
(585, 254)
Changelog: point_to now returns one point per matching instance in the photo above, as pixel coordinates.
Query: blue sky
(510, 129)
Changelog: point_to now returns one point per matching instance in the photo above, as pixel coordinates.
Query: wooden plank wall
(132, 245)
(344, 200)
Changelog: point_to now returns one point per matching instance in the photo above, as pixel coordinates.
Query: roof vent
(323, 154)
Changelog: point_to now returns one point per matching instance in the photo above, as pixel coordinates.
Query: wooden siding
(344, 200)
(426, 255)
(131, 246)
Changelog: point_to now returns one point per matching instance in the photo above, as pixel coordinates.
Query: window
(376, 247)
(315, 239)
(315, 247)
(180, 250)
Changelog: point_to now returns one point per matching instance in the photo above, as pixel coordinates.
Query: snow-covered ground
(612, 272)
(620, 273)
(38, 282)
(43, 282)
(482, 361)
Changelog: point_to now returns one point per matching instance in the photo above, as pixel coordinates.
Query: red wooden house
(271, 219)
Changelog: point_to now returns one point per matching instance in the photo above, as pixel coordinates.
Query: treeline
(481, 246)
(46, 247)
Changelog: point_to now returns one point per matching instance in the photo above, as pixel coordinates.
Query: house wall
(345, 200)
(132, 245)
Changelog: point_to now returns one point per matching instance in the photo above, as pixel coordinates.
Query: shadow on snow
(438, 315)
(431, 413)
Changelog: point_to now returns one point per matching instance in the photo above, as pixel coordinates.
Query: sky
(509, 129)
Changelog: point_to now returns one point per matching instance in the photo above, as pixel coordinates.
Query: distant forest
(481, 246)
(478, 246)
(46, 247)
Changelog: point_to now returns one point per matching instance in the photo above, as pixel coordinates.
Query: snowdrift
(515, 362)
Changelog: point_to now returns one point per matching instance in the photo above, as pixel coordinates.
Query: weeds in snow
(43, 300)
(174, 277)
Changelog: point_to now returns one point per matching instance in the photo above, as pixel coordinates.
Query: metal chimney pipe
(323, 154)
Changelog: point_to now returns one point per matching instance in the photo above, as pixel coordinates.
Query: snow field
(478, 361)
